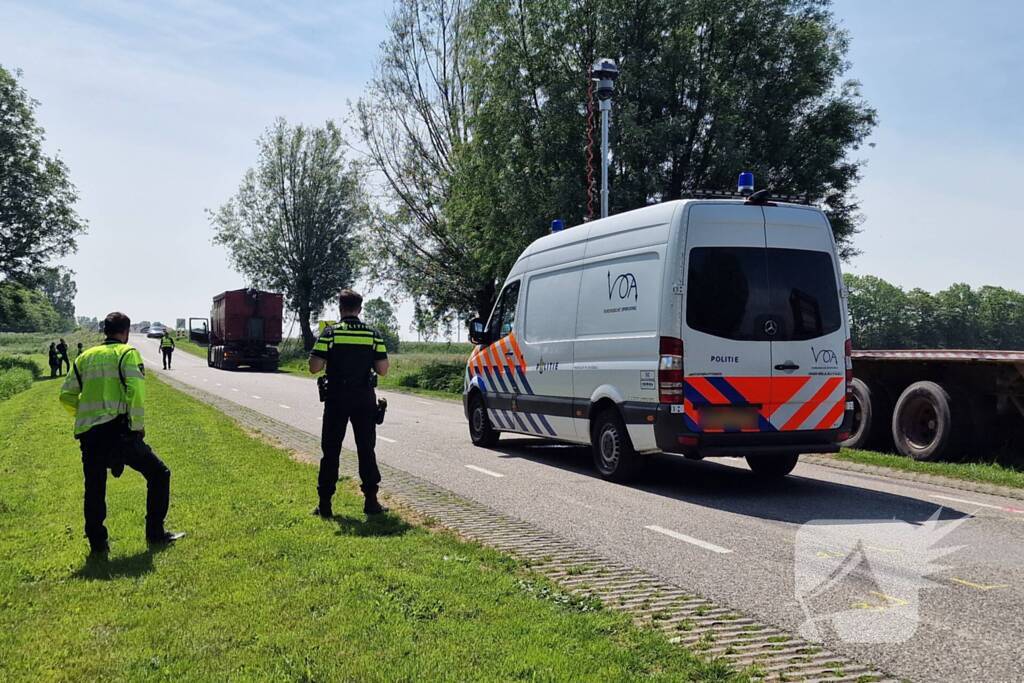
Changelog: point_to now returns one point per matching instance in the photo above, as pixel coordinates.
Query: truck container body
(244, 329)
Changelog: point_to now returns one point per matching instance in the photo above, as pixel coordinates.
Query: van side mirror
(478, 331)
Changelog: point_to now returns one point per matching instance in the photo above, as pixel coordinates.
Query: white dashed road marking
(426, 403)
(981, 505)
(233, 389)
(689, 539)
(483, 471)
(281, 405)
(255, 396)
(384, 438)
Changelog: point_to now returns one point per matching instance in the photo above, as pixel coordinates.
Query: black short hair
(116, 323)
(350, 300)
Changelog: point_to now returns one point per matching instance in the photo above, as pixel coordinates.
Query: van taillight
(670, 370)
(849, 370)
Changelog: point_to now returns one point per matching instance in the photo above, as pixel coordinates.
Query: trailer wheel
(613, 452)
(930, 422)
(481, 432)
(772, 466)
(872, 417)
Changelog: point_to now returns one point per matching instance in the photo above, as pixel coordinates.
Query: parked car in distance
(156, 331)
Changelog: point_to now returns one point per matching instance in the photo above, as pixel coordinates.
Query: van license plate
(728, 418)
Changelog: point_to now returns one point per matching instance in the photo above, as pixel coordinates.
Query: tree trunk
(308, 338)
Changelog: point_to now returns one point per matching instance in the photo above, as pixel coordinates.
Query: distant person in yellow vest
(167, 348)
(105, 391)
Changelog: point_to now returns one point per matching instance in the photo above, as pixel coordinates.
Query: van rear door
(727, 355)
(808, 362)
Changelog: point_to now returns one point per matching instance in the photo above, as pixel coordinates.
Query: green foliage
(27, 310)
(883, 316)
(14, 380)
(478, 116)
(262, 590)
(38, 222)
(380, 315)
(291, 226)
(60, 289)
(16, 375)
(436, 376)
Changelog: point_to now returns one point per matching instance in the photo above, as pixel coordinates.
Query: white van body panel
(595, 300)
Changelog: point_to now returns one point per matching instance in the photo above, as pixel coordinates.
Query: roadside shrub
(16, 375)
(446, 377)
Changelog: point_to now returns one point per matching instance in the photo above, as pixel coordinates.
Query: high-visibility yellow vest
(167, 341)
(105, 382)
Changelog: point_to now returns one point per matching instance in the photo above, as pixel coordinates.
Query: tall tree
(38, 222)
(380, 315)
(293, 224)
(59, 287)
(479, 115)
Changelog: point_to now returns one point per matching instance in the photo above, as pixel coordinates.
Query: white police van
(697, 327)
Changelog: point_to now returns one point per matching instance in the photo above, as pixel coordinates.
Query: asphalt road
(933, 574)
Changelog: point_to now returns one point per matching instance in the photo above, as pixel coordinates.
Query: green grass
(39, 342)
(262, 590)
(986, 473)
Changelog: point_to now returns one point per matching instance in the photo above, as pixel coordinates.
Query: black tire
(773, 466)
(931, 422)
(614, 456)
(872, 417)
(481, 432)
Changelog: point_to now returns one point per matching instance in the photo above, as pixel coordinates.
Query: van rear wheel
(772, 465)
(614, 456)
(481, 432)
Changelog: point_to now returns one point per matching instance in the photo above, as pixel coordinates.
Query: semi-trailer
(244, 329)
(938, 404)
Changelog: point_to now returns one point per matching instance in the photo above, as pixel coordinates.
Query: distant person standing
(62, 350)
(350, 351)
(167, 348)
(54, 360)
(79, 350)
(106, 393)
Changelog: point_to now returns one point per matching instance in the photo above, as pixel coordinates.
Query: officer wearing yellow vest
(105, 391)
(350, 351)
(167, 348)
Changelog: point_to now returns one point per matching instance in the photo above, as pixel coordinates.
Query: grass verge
(985, 473)
(262, 590)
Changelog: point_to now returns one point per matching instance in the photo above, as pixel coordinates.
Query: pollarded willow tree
(477, 122)
(293, 224)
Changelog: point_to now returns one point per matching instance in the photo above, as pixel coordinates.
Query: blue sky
(155, 106)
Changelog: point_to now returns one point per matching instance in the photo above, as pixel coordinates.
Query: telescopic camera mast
(604, 72)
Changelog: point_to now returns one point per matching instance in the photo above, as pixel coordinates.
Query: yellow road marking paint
(979, 586)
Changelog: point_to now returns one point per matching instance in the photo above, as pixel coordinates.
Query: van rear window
(733, 291)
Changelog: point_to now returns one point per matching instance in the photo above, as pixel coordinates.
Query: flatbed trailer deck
(938, 404)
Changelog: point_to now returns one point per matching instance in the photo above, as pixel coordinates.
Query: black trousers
(112, 446)
(359, 408)
(167, 357)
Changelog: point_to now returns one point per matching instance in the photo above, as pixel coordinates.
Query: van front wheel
(614, 456)
(481, 432)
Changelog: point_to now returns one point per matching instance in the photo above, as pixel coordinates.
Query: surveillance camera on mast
(604, 71)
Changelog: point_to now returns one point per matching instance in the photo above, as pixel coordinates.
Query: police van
(699, 327)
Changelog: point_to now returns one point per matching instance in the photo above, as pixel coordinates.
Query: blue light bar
(557, 225)
(746, 183)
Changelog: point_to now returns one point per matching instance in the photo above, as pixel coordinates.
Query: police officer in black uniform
(351, 351)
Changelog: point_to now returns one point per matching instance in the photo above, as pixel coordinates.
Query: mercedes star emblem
(771, 327)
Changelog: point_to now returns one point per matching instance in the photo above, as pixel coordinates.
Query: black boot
(164, 537)
(323, 509)
(372, 506)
